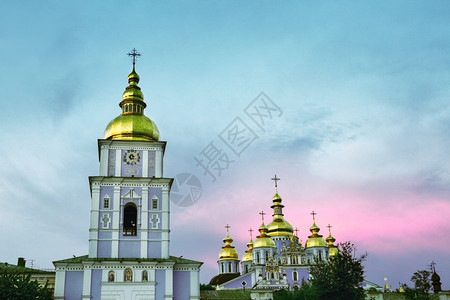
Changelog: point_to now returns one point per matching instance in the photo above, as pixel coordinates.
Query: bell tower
(130, 197)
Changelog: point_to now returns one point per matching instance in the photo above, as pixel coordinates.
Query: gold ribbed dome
(132, 124)
(278, 226)
(228, 251)
(263, 240)
(315, 239)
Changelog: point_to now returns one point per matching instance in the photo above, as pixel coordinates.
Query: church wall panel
(129, 249)
(160, 276)
(154, 250)
(181, 284)
(96, 287)
(73, 285)
(104, 249)
(104, 235)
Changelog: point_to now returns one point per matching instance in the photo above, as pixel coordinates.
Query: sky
(356, 122)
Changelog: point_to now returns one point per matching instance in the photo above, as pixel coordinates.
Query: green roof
(80, 259)
(5, 267)
(225, 295)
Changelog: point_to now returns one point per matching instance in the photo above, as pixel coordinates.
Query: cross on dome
(276, 180)
(262, 213)
(314, 214)
(329, 228)
(250, 230)
(227, 227)
(134, 54)
(296, 231)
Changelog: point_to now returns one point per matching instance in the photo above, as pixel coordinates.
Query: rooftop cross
(262, 213)
(329, 228)
(250, 230)
(296, 231)
(313, 214)
(433, 269)
(276, 180)
(134, 54)
(227, 227)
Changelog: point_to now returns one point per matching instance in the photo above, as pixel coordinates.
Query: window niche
(130, 219)
(128, 275)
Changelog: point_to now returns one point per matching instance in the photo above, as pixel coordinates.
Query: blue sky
(362, 138)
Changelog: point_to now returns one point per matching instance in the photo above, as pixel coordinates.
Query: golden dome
(263, 240)
(332, 249)
(248, 256)
(132, 124)
(315, 239)
(228, 251)
(278, 226)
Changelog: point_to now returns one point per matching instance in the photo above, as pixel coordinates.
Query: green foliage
(339, 277)
(422, 286)
(206, 287)
(19, 286)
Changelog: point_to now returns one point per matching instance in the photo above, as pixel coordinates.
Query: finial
(227, 227)
(276, 181)
(329, 228)
(314, 214)
(296, 231)
(432, 266)
(134, 54)
(262, 213)
(250, 230)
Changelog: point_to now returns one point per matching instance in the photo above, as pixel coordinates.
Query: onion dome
(315, 239)
(228, 251)
(263, 240)
(332, 249)
(278, 226)
(132, 124)
(248, 256)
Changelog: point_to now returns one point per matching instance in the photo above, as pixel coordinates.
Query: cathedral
(276, 259)
(129, 234)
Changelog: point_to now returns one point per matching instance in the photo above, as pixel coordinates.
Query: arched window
(320, 255)
(257, 257)
(129, 219)
(294, 276)
(267, 256)
(294, 259)
(229, 267)
(128, 275)
(246, 268)
(221, 266)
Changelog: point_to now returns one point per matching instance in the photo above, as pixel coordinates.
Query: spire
(332, 249)
(278, 226)
(248, 253)
(228, 251)
(315, 239)
(132, 124)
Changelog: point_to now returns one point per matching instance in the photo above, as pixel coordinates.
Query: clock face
(131, 157)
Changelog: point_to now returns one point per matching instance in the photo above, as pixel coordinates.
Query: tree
(422, 285)
(20, 286)
(340, 277)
